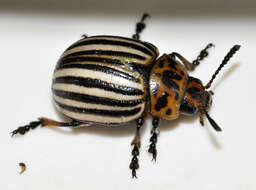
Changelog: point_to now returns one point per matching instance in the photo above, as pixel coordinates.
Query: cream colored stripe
(100, 118)
(124, 68)
(94, 92)
(106, 48)
(117, 39)
(74, 72)
(90, 105)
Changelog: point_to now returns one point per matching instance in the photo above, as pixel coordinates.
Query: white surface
(189, 156)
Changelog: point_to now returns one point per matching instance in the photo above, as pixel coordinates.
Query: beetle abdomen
(98, 86)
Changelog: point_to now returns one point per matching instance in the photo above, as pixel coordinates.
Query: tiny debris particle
(23, 167)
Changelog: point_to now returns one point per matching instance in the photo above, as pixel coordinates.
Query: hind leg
(44, 122)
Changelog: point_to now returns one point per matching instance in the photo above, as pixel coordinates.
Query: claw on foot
(134, 165)
(23, 129)
(153, 151)
(152, 146)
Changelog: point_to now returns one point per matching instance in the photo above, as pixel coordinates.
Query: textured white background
(33, 34)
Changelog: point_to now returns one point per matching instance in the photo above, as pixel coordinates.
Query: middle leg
(134, 165)
(153, 138)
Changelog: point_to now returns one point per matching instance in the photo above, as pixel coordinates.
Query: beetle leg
(44, 122)
(153, 138)
(140, 26)
(134, 165)
(84, 36)
(203, 53)
(201, 116)
(189, 66)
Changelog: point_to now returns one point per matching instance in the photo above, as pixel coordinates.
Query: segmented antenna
(212, 122)
(231, 52)
(144, 16)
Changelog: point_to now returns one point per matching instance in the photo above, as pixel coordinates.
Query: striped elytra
(96, 79)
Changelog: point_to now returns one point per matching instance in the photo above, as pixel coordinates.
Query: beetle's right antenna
(231, 52)
(212, 122)
(140, 26)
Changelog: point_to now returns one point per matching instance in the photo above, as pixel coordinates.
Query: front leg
(203, 53)
(188, 65)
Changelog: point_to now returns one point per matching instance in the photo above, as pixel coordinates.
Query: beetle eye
(208, 99)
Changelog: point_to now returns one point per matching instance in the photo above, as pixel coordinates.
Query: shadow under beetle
(112, 80)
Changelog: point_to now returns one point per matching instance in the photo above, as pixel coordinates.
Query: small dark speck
(157, 74)
(168, 112)
(161, 64)
(23, 167)
(176, 96)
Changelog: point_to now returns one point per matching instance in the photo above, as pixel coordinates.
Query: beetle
(113, 80)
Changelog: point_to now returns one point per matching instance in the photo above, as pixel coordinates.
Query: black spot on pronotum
(171, 75)
(157, 74)
(173, 66)
(182, 73)
(161, 102)
(161, 64)
(168, 112)
(176, 96)
(168, 81)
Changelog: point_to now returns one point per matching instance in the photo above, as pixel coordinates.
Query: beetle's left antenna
(140, 26)
(231, 52)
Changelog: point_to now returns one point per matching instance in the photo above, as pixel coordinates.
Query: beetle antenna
(231, 52)
(212, 122)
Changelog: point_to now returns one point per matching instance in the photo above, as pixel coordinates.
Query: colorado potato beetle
(112, 80)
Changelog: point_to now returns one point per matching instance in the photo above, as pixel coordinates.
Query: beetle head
(198, 99)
